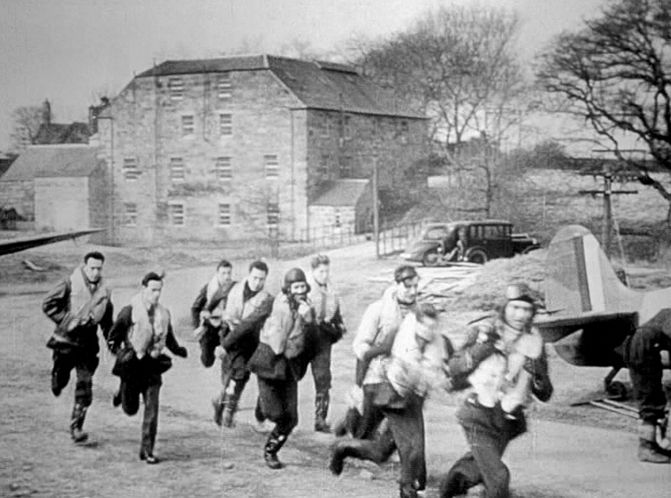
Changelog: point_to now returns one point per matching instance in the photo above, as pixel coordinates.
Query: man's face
(93, 269)
(256, 279)
(321, 274)
(152, 292)
(518, 314)
(298, 288)
(224, 274)
(406, 290)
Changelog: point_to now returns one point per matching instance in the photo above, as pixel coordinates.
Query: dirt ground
(569, 452)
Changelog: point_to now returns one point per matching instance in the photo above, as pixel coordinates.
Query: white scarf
(143, 336)
(84, 302)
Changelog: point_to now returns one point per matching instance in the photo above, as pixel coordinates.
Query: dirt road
(591, 456)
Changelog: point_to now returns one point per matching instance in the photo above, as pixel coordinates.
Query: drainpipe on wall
(293, 180)
(112, 209)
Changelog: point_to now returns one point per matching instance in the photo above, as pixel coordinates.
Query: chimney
(46, 112)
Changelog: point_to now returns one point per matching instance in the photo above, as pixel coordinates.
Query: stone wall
(62, 203)
(20, 195)
(344, 145)
(147, 128)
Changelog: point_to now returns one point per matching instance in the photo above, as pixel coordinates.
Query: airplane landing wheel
(617, 390)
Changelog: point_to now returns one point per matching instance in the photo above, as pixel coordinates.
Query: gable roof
(317, 84)
(57, 133)
(53, 161)
(341, 193)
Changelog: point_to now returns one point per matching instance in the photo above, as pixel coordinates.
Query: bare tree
(615, 74)
(26, 121)
(459, 66)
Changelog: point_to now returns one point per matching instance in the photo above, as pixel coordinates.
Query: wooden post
(376, 208)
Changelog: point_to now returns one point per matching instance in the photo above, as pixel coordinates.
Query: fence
(393, 238)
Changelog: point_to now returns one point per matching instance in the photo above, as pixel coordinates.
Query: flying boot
(648, 449)
(77, 422)
(273, 445)
(321, 410)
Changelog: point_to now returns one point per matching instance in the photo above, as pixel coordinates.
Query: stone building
(58, 187)
(231, 148)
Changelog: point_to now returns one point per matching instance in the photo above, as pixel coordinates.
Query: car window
(493, 231)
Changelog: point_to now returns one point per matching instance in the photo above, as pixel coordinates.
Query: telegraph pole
(607, 192)
(376, 207)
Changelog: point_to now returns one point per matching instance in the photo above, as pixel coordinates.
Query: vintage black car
(483, 240)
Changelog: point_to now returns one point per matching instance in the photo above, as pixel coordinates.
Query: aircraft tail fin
(580, 278)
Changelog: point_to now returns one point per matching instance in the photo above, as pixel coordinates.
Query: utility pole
(606, 229)
(376, 207)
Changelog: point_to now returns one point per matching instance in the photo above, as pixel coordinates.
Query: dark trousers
(642, 356)
(278, 402)
(407, 429)
(130, 401)
(372, 415)
(208, 343)
(320, 364)
(488, 432)
(84, 363)
(234, 369)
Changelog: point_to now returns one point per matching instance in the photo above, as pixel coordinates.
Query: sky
(74, 51)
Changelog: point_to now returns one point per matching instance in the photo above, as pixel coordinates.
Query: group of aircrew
(401, 351)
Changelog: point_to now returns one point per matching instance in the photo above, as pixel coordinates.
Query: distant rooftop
(341, 193)
(317, 84)
(72, 160)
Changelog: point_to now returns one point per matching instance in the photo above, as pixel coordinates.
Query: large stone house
(235, 147)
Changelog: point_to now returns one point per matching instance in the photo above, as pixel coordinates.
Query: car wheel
(477, 256)
(430, 258)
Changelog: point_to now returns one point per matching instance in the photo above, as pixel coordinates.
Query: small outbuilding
(59, 187)
(342, 206)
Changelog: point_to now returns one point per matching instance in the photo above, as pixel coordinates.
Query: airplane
(10, 246)
(589, 311)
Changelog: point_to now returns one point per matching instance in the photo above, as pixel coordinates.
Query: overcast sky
(72, 51)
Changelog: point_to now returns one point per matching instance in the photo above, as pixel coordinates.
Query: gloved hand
(181, 351)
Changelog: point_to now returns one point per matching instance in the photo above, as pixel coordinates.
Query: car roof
(468, 222)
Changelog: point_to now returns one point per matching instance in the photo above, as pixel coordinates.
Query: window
(345, 167)
(224, 86)
(177, 214)
(377, 126)
(403, 130)
(347, 128)
(324, 165)
(176, 88)
(176, 169)
(271, 165)
(130, 214)
(188, 125)
(224, 214)
(130, 169)
(222, 168)
(337, 220)
(225, 124)
(325, 126)
(273, 214)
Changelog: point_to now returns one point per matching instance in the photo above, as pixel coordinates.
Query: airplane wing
(21, 244)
